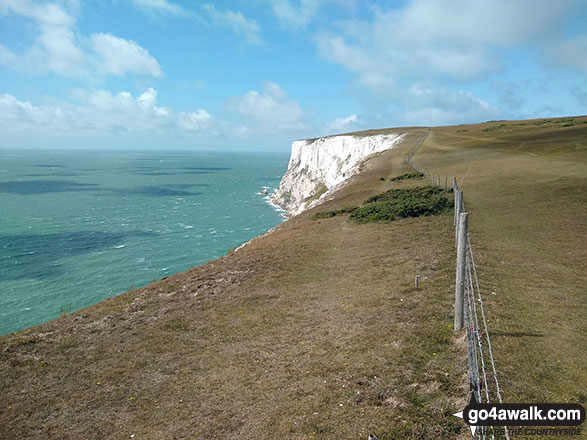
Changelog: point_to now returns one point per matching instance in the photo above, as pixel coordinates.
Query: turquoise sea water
(76, 228)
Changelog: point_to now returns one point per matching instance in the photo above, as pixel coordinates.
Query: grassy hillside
(525, 184)
(316, 330)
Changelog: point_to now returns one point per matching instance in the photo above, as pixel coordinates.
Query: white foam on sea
(275, 206)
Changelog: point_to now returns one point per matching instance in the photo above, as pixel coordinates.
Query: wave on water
(276, 207)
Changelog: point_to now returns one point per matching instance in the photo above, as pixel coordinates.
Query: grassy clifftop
(316, 330)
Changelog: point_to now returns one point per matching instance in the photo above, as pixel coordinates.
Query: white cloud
(298, 14)
(118, 56)
(16, 115)
(271, 110)
(342, 125)
(295, 16)
(160, 6)
(473, 22)
(570, 53)
(418, 57)
(59, 48)
(432, 105)
(579, 93)
(240, 25)
(102, 112)
(426, 38)
(194, 121)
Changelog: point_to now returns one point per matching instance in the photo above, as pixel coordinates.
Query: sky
(255, 75)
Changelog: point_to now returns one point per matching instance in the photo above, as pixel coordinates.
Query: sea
(79, 227)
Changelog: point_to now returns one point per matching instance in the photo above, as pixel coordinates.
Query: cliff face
(317, 167)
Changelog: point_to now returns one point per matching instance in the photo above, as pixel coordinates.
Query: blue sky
(258, 74)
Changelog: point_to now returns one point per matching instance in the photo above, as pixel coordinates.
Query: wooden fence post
(454, 184)
(456, 208)
(459, 209)
(445, 182)
(460, 279)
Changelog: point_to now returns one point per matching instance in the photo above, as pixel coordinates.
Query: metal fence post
(463, 227)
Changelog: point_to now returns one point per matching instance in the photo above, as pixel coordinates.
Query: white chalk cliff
(318, 167)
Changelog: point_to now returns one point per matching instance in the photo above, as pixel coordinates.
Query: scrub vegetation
(412, 175)
(396, 203)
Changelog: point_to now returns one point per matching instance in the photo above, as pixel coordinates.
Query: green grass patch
(320, 189)
(402, 203)
(412, 175)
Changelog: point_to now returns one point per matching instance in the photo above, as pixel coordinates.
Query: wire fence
(469, 310)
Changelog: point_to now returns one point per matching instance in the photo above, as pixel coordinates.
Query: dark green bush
(330, 214)
(402, 203)
(376, 212)
(412, 175)
(421, 192)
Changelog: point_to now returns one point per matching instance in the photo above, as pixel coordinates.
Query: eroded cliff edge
(317, 167)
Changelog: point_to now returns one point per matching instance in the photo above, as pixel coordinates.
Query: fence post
(445, 182)
(458, 210)
(438, 180)
(454, 184)
(463, 227)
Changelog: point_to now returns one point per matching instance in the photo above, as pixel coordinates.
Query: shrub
(330, 214)
(421, 192)
(395, 203)
(412, 175)
(402, 203)
(377, 212)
